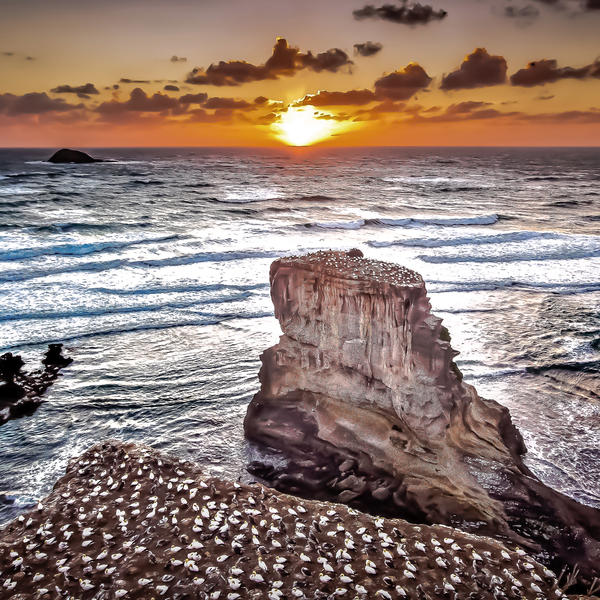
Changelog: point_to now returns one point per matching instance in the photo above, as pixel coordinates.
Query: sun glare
(303, 126)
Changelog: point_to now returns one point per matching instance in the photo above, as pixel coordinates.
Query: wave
(500, 238)
(442, 287)
(118, 310)
(339, 224)
(18, 190)
(590, 366)
(569, 203)
(189, 259)
(74, 227)
(523, 256)
(217, 320)
(216, 287)
(147, 182)
(79, 249)
(408, 222)
(552, 178)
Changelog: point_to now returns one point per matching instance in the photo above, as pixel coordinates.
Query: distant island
(66, 155)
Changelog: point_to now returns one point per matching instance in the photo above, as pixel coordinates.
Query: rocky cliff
(362, 395)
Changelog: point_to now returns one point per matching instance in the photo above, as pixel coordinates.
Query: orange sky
(424, 78)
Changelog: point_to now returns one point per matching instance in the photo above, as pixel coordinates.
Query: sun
(303, 126)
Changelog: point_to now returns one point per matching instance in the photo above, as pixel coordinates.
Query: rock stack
(363, 397)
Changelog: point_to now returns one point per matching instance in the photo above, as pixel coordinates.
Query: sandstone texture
(362, 396)
(129, 522)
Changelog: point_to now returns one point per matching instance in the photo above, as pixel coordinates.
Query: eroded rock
(21, 393)
(364, 372)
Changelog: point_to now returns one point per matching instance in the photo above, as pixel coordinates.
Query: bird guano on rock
(221, 546)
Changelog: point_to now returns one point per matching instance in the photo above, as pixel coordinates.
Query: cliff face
(362, 394)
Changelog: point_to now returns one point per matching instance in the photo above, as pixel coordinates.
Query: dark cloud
(367, 48)
(408, 14)
(547, 71)
(285, 60)
(127, 80)
(261, 100)
(171, 88)
(375, 112)
(478, 69)
(178, 59)
(526, 13)
(33, 103)
(193, 98)
(139, 101)
(228, 103)
(592, 4)
(462, 108)
(82, 91)
(324, 98)
(402, 84)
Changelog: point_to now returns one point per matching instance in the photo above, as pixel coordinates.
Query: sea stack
(65, 155)
(363, 396)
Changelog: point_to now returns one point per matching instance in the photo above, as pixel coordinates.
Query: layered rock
(362, 395)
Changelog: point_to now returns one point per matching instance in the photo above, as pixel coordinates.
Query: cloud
(82, 91)
(547, 71)
(139, 101)
(33, 103)
(200, 98)
(478, 69)
(525, 13)
(403, 83)
(8, 54)
(407, 14)
(127, 80)
(592, 4)
(171, 88)
(285, 60)
(178, 59)
(228, 103)
(261, 100)
(324, 98)
(367, 48)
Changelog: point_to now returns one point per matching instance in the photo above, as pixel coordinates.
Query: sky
(273, 72)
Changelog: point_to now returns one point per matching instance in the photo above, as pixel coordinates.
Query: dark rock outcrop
(129, 522)
(362, 395)
(65, 155)
(21, 392)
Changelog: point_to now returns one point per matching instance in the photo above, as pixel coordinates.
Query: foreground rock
(362, 395)
(71, 156)
(129, 522)
(21, 393)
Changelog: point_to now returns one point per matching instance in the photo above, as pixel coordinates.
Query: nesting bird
(116, 526)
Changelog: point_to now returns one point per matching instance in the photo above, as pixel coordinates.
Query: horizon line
(313, 146)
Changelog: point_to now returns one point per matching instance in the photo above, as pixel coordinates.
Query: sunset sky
(266, 73)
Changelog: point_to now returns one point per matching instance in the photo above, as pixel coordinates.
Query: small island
(66, 155)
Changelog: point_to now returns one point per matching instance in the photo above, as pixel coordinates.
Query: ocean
(153, 270)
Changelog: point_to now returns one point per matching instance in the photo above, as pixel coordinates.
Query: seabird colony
(129, 522)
